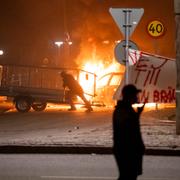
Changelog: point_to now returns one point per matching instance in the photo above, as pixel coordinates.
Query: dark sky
(29, 28)
(32, 27)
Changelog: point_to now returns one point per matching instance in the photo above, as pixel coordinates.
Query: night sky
(29, 28)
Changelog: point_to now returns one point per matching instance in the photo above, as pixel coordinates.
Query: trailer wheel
(22, 104)
(39, 106)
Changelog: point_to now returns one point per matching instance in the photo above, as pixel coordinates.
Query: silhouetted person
(74, 90)
(128, 145)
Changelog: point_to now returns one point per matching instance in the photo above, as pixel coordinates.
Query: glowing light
(105, 42)
(87, 80)
(70, 43)
(148, 106)
(98, 69)
(1, 52)
(94, 67)
(117, 41)
(58, 43)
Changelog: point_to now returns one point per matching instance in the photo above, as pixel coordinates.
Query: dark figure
(74, 90)
(128, 144)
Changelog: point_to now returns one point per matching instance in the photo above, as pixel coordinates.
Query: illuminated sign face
(155, 29)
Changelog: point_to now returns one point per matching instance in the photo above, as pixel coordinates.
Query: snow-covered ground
(158, 129)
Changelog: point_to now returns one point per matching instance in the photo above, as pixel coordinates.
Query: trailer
(33, 87)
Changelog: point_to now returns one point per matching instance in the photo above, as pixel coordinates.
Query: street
(58, 127)
(53, 126)
(86, 167)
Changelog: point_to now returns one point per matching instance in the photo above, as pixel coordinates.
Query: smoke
(30, 28)
(95, 29)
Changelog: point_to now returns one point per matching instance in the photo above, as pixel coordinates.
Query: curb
(15, 149)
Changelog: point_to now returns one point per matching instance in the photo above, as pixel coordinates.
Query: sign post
(127, 20)
(127, 26)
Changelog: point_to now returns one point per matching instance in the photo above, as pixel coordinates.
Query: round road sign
(120, 53)
(155, 28)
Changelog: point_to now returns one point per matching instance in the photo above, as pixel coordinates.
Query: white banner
(155, 75)
(134, 56)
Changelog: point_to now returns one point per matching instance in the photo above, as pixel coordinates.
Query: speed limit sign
(155, 29)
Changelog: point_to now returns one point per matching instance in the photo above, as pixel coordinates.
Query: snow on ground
(158, 130)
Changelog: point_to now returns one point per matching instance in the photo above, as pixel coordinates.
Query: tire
(39, 106)
(22, 104)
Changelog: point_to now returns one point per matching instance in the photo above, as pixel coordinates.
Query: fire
(148, 106)
(89, 81)
(94, 67)
(93, 71)
(101, 69)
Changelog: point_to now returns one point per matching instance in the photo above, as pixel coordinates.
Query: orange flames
(90, 81)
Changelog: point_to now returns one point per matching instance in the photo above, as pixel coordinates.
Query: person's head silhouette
(63, 73)
(129, 93)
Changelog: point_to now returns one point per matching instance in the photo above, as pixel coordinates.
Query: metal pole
(127, 26)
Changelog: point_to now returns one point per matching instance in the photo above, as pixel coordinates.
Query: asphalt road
(58, 127)
(57, 117)
(85, 167)
(49, 127)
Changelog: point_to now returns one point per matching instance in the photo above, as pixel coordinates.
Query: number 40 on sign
(155, 28)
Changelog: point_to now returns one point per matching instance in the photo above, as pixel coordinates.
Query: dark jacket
(72, 84)
(128, 144)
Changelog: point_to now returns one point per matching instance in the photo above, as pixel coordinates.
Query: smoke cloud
(30, 28)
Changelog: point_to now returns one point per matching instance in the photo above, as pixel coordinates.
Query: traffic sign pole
(127, 26)
(126, 19)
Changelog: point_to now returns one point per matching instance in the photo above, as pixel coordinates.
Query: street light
(1, 52)
(59, 43)
(70, 42)
(66, 46)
